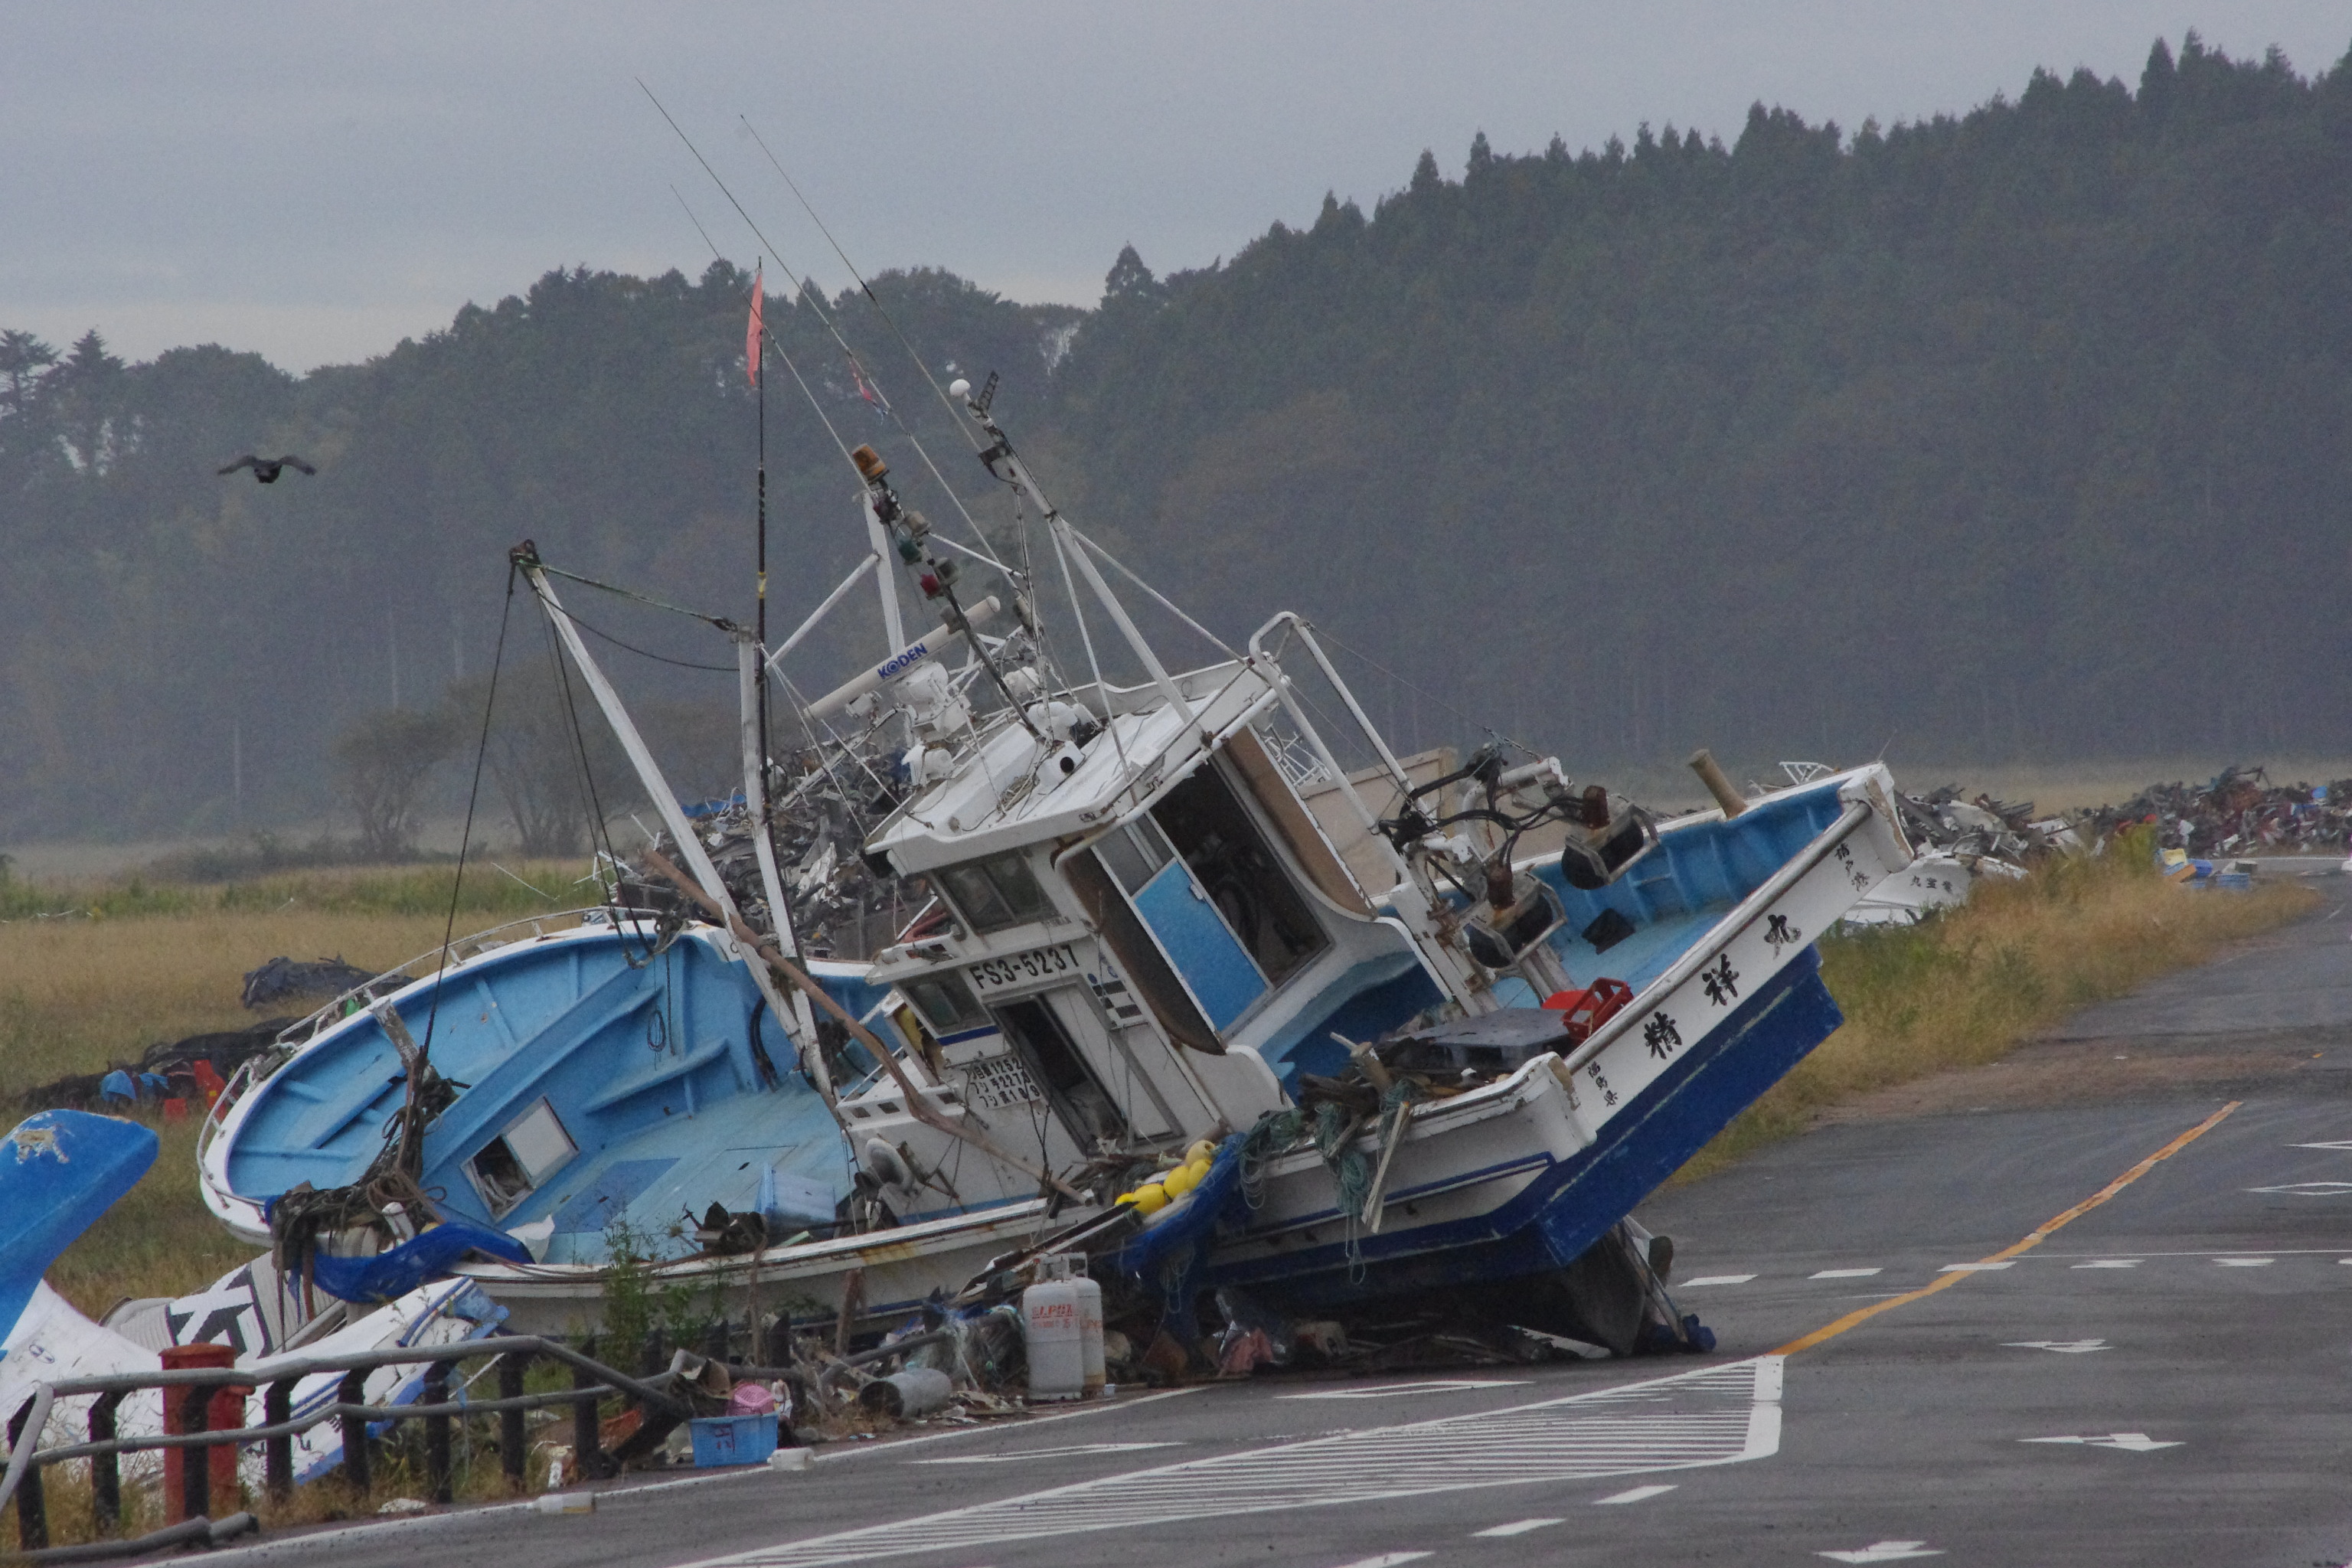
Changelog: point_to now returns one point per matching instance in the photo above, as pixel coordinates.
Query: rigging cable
(641, 652)
(598, 828)
(473, 795)
(767, 340)
(954, 414)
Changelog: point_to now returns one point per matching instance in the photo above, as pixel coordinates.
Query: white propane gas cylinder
(1054, 1333)
(1090, 1330)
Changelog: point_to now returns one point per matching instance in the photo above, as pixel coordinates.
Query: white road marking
(2110, 1263)
(1882, 1551)
(1386, 1560)
(2243, 1262)
(1715, 1279)
(2280, 1251)
(2340, 1144)
(1066, 1451)
(1845, 1273)
(1720, 1415)
(1436, 1386)
(2309, 1189)
(1517, 1527)
(2130, 1442)
(2064, 1347)
(1639, 1494)
(1977, 1267)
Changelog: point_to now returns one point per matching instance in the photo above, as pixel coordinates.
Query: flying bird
(265, 469)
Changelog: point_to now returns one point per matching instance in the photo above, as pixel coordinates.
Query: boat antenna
(805, 289)
(757, 368)
(698, 225)
(955, 415)
(912, 532)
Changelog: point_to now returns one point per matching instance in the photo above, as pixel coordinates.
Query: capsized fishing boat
(608, 1071)
(1173, 910)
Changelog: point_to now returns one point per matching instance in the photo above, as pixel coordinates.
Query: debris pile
(2239, 812)
(282, 980)
(1944, 822)
(171, 1072)
(840, 909)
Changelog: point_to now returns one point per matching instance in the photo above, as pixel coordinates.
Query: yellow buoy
(1200, 1153)
(1180, 1180)
(1151, 1197)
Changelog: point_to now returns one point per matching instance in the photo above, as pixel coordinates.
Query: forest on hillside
(2025, 434)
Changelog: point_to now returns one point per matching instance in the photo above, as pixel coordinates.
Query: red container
(225, 1410)
(1586, 1010)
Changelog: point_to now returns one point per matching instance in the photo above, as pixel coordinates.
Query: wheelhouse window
(946, 1002)
(1134, 853)
(1206, 823)
(996, 893)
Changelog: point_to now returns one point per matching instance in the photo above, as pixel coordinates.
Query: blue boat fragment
(59, 1170)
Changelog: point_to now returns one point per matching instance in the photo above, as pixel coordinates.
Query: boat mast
(751, 656)
(752, 689)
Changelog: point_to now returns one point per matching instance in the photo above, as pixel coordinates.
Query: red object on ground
(210, 1082)
(225, 1410)
(1587, 1009)
(175, 1110)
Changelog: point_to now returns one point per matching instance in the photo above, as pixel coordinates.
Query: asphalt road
(2010, 1336)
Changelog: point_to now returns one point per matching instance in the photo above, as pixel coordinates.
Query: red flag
(752, 332)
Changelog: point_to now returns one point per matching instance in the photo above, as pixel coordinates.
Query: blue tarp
(393, 1273)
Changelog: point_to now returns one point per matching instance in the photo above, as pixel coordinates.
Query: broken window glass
(995, 893)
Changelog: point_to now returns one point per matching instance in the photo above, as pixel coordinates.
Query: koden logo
(913, 654)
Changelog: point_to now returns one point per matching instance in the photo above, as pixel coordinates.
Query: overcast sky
(317, 182)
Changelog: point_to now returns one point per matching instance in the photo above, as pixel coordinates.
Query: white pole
(665, 800)
(893, 628)
(763, 844)
(776, 657)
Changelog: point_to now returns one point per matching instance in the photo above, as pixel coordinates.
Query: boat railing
(1295, 627)
(196, 1388)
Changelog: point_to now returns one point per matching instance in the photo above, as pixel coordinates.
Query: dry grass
(1967, 987)
(78, 994)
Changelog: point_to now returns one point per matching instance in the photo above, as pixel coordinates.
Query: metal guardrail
(591, 1380)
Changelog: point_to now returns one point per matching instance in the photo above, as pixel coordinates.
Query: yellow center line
(2034, 1238)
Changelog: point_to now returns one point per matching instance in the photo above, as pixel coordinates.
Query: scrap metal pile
(2239, 812)
(1943, 822)
(839, 908)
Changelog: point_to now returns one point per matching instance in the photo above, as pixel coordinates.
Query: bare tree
(382, 762)
(553, 762)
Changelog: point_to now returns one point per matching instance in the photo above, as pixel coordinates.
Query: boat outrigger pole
(788, 1014)
(1001, 460)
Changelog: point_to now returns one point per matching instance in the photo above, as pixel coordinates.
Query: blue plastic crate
(721, 1440)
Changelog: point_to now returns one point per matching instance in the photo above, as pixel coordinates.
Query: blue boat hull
(1569, 1203)
(598, 1088)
